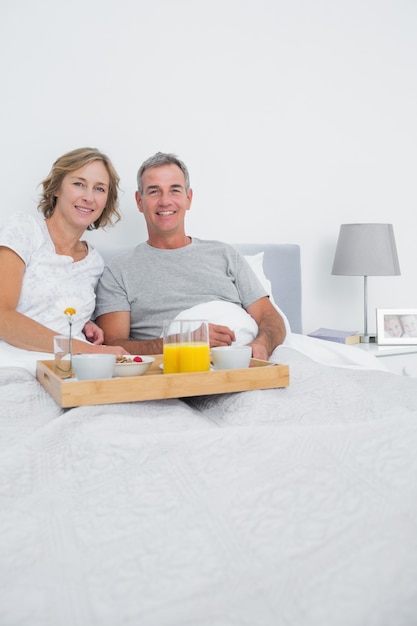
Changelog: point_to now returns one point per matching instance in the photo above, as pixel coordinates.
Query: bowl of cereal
(132, 365)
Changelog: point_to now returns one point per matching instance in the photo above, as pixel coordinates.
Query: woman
(47, 269)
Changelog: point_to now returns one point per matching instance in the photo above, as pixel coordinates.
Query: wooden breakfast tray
(155, 385)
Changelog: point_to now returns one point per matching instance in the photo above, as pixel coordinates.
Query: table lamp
(366, 250)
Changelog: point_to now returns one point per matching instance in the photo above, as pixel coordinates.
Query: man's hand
(259, 351)
(93, 333)
(220, 335)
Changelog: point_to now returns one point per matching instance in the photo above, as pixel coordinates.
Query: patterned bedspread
(286, 507)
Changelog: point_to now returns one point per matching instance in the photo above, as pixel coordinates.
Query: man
(172, 272)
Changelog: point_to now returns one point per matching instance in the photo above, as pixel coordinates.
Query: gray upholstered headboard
(282, 265)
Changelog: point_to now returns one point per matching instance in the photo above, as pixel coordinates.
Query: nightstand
(397, 359)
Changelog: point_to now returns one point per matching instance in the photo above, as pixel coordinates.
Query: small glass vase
(63, 355)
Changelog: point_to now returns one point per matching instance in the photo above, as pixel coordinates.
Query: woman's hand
(117, 350)
(93, 333)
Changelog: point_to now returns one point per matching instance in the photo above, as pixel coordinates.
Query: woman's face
(83, 194)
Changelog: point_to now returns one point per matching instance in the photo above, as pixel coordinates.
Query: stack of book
(340, 336)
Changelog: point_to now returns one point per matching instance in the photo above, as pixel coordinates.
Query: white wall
(294, 116)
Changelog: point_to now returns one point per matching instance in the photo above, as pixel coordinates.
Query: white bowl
(93, 366)
(231, 357)
(133, 368)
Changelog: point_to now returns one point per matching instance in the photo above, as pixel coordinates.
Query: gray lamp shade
(366, 250)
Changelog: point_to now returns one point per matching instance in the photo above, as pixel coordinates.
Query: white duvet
(284, 507)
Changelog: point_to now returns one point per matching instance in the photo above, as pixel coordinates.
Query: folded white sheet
(331, 353)
(10, 356)
(16, 357)
(246, 329)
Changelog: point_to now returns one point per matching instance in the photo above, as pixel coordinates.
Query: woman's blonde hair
(70, 162)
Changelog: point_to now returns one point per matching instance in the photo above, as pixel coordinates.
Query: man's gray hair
(159, 159)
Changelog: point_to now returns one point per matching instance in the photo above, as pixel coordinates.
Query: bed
(281, 507)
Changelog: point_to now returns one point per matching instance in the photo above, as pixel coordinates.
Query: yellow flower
(69, 305)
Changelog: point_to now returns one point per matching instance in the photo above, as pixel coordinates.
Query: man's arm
(271, 328)
(116, 327)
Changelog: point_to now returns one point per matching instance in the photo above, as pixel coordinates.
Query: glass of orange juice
(195, 347)
(172, 346)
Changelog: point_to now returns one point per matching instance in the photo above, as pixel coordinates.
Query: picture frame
(396, 327)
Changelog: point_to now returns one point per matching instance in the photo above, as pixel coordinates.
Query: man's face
(164, 200)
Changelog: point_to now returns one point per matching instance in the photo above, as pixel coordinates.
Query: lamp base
(368, 339)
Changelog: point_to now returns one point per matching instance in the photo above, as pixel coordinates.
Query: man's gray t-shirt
(155, 284)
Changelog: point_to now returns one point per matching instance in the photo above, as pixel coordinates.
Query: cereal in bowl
(127, 359)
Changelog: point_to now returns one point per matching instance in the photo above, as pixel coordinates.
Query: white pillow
(224, 314)
(256, 262)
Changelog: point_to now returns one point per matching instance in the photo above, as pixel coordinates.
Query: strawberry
(137, 359)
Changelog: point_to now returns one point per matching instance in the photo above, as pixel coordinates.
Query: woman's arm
(18, 329)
